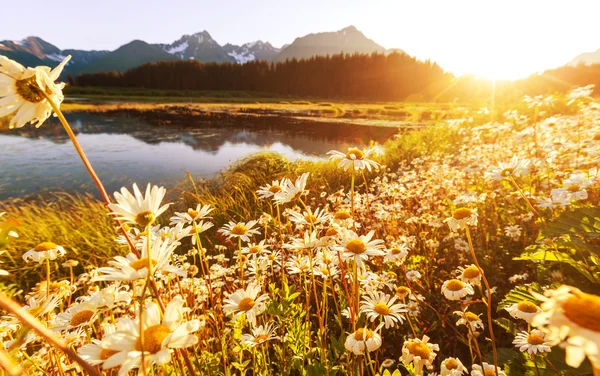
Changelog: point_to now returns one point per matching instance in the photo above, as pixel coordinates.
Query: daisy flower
(78, 315)
(452, 367)
(420, 353)
(488, 370)
(569, 317)
(461, 218)
(159, 338)
(413, 275)
(246, 302)
(131, 267)
(524, 310)
(379, 304)
(363, 339)
(94, 353)
(359, 248)
(292, 191)
(192, 215)
(43, 251)
(310, 218)
(241, 230)
(260, 335)
(471, 275)
(255, 250)
(270, 190)
(516, 167)
(138, 208)
(355, 158)
(469, 318)
(513, 232)
(402, 292)
(25, 92)
(397, 254)
(413, 308)
(533, 342)
(454, 289)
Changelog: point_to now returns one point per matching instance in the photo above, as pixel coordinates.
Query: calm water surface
(124, 150)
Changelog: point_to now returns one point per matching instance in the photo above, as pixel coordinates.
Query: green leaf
(507, 325)
(554, 256)
(519, 294)
(582, 221)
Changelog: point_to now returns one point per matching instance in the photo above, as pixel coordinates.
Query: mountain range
(201, 47)
(586, 58)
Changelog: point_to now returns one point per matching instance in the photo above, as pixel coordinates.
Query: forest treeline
(387, 77)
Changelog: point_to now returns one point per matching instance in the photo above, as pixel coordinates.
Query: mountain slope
(586, 58)
(200, 46)
(128, 56)
(348, 40)
(258, 50)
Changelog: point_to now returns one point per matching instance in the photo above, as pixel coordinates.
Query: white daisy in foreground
(516, 167)
(160, 337)
(81, 314)
(454, 289)
(533, 342)
(420, 353)
(131, 267)
(363, 339)
(247, 302)
(471, 275)
(292, 191)
(94, 353)
(24, 92)
(488, 370)
(524, 310)
(241, 230)
(461, 218)
(570, 318)
(355, 158)
(192, 215)
(452, 367)
(470, 319)
(379, 304)
(43, 251)
(270, 190)
(359, 248)
(138, 208)
(259, 335)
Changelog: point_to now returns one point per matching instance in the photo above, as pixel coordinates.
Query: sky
(496, 39)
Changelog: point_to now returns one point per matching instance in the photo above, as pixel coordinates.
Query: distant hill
(348, 40)
(586, 58)
(201, 47)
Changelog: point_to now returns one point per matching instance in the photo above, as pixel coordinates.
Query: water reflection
(124, 150)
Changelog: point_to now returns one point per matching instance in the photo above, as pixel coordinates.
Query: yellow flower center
(145, 218)
(139, 236)
(239, 229)
(462, 213)
(342, 214)
(507, 172)
(165, 235)
(29, 90)
(471, 272)
(44, 247)
(142, 263)
(355, 153)
(81, 317)
(356, 246)
(527, 307)
(402, 291)
(583, 309)
(396, 251)
(489, 372)
(261, 338)
(451, 364)
(275, 189)
(193, 213)
(153, 339)
(419, 349)
(382, 309)
(107, 353)
(455, 285)
(254, 249)
(246, 304)
(331, 232)
(574, 188)
(310, 218)
(535, 339)
(363, 334)
(470, 316)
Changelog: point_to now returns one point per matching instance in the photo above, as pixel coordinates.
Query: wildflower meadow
(477, 258)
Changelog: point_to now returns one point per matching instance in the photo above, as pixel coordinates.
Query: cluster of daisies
(389, 270)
